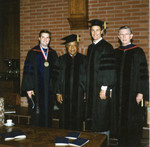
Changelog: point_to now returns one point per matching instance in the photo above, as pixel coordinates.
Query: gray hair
(125, 27)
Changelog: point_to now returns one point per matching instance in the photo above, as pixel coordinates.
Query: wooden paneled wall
(9, 47)
(9, 31)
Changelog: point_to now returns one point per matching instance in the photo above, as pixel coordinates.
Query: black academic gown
(100, 72)
(132, 73)
(71, 84)
(39, 78)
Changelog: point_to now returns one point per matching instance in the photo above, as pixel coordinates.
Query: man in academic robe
(100, 80)
(38, 80)
(131, 90)
(71, 85)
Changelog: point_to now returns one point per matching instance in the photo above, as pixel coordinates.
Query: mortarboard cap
(71, 38)
(96, 22)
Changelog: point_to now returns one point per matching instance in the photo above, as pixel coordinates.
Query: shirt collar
(72, 55)
(95, 42)
(128, 44)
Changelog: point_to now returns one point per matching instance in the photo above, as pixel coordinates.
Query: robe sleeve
(59, 79)
(83, 73)
(143, 78)
(106, 71)
(28, 74)
(54, 71)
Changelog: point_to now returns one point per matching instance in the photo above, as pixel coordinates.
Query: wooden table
(45, 137)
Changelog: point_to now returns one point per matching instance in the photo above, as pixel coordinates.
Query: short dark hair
(45, 31)
(125, 27)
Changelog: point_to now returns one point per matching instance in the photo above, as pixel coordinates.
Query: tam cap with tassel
(97, 22)
(71, 38)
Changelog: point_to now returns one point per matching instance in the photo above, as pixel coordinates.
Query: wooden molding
(78, 14)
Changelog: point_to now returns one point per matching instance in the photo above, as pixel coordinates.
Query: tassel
(77, 38)
(104, 25)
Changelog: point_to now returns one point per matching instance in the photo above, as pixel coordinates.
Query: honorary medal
(45, 55)
(46, 64)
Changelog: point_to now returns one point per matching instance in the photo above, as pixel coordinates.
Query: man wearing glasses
(132, 89)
